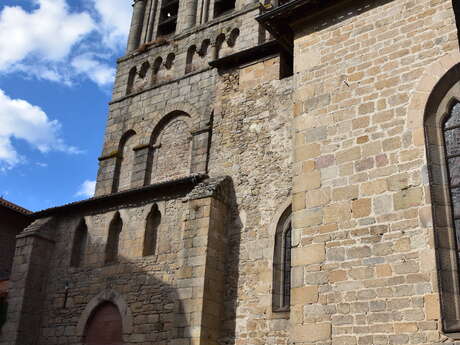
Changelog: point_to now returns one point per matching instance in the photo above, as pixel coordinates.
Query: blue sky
(57, 63)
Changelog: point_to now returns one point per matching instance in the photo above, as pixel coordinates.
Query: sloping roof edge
(14, 207)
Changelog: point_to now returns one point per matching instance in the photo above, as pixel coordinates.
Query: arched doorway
(104, 327)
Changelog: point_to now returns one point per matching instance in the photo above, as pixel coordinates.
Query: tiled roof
(193, 179)
(14, 207)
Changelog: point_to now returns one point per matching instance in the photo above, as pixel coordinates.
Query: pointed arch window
(151, 231)
(281, 297)
(80, 241)
(451, 134)
(124, 162)
(442, 138)
(113, 239)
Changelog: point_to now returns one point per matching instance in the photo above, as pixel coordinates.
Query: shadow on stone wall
(235, 226)
(151, 309)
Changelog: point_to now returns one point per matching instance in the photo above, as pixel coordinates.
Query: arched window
(80, 240)
(170, 157)
(124, 163)
(131, 78)
(151, 231)
(442, 136)
(156, 68)
(218, 45)
(451, 131)
(104, 326)
(113, 239)
(281, 297)
(222, 7)
(189, 62)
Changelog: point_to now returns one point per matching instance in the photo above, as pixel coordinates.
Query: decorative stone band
(200, 131)
(113, 154)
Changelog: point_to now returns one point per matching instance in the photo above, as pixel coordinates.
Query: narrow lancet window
(282, 264)
(113, 239)
(451, 129)
(79, 245)
(151, 231)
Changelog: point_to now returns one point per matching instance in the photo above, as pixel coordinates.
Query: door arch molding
(113, 297)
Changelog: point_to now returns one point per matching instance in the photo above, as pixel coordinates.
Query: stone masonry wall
(170, 89)
(251, 142)
(364, 269)
(145, 283)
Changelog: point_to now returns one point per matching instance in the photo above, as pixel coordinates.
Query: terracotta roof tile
(14, 207)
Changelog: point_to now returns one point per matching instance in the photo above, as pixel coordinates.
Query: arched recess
(220, 39)
(141, 80)
(156, 69)
(442, 138)
(189, 63)
(113, 239)
(170, 153)
(131, 78)
(281, 287)
(110, 296)
(104, 326)
(124, 162)
(152, 225)
(80, 243)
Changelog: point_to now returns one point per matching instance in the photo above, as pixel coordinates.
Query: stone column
(200, 147)
(34, 247)
(136, 25)
(202, 274)
(190, 14)
(106, 174)
(142, 159)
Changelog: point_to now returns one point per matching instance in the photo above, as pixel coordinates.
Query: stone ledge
(217, 187)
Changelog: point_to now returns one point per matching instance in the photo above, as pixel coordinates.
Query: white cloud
(22, 120)
(87, 189)
(47, 33)
(55, 43)
(115, 17)
(98, 72)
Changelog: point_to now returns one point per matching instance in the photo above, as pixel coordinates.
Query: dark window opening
(223, 6)
(113, 239)
(79, 245)
(151, 232)
(286, 64)
(287, 269)
(168, 17)
(281, 297)
(456, 7)
(3, 310)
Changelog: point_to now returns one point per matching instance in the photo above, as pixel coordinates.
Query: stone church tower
(275, 173)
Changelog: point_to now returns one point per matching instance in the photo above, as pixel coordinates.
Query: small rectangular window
(286, 64)
(168, 17)
(222, 7)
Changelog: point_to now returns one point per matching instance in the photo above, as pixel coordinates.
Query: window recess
(222, 7)
(168, 17)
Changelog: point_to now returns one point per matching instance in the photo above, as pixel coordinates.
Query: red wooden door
(104, 327)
